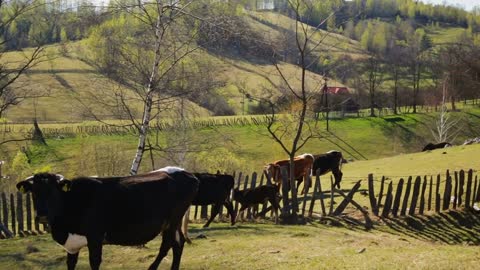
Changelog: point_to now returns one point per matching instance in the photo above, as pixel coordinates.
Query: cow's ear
(65, 185)
(25, 185)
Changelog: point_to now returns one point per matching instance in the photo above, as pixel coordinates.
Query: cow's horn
(60, 177)
(29, 179)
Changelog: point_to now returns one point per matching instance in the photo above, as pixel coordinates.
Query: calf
(253, 196)
(130, 210)
(214, 189)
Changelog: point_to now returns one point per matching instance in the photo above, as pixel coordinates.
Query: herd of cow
(132, 210)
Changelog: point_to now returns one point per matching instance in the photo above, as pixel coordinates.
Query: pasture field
(269, 246)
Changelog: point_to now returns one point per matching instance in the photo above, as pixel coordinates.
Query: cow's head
(274, 171)
(47, 190)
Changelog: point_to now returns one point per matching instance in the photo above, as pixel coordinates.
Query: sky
(467, 4)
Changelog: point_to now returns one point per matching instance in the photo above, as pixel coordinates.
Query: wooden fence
(70, 130)
(16, 216)
(415, 197)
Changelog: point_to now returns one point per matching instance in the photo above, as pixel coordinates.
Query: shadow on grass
(453, 227)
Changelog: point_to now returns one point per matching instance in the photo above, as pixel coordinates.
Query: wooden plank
(320, 193)
(371, 194)
(461, 188)
(28, 206)
(403, 211)
(20, 220)
(398, 195)
(341, 207)
(430, 191)
(468, 192)
(416, 192)
(422, 196)
(388, 201)
(12, 214)
(380, 194)
(437, 195)
(447, 193)
(455, 192)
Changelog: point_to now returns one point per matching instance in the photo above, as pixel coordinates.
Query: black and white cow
(215, 190)
(330, 162)
(433, 146)
(130, 210)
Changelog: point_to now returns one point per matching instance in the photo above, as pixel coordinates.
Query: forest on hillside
(401, 60)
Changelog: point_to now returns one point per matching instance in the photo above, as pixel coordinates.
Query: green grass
(268, 246)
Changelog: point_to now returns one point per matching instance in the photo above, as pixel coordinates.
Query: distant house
(348, 106)
(335, 90)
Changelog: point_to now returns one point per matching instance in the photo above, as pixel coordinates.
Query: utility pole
(325, 93)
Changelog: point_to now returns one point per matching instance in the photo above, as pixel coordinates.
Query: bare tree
(293, 130)
(12, 70)
(446, 128)
(150, 56)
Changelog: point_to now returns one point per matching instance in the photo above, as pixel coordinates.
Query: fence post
(388, 201)
(403, 211)
(416, 191)
(429, 207)
(346, 200)
(371, 194)
(422, 196)
(380, 194)
(447, 193)
(5, 209)
(252, 210)
(13, 216)
(461, 187)
(20, 213)
(455, 191)
(398, 195)
(477, 199)
(474, 195)
(245, 186)
(437, 195)
(469, 188)
(237, 184)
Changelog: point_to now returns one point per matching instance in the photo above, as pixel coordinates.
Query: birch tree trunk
(144, 127)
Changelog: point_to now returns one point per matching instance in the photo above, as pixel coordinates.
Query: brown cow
(303, 167)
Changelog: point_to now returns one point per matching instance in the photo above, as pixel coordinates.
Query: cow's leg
(338, 177)
(240, 212)
(168, 237)
(186, 220)
(72, 260)
(228, 204)
(275, 206)
(95, 252)
(213, 214)
(177, 248)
